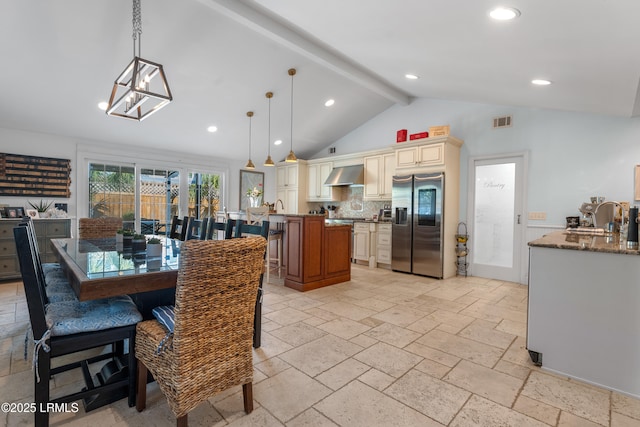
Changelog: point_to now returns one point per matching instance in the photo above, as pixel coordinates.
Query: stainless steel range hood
(346, 175)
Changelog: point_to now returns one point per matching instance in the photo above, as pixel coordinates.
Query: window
(111, 191)
(159, 199)
(204, 195)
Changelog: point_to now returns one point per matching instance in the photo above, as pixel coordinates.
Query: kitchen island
(584, 309)
(316, 254)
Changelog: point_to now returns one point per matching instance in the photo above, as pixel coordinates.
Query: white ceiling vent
(502, 122)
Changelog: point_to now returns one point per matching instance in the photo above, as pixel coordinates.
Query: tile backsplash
(352, 204)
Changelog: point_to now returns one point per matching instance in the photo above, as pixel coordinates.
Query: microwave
(385, 213)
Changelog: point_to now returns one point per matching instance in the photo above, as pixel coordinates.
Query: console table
(46, 229)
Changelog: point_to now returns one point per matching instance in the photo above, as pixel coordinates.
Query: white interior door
(497, 217)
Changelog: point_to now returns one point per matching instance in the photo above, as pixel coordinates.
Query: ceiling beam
(258, 21)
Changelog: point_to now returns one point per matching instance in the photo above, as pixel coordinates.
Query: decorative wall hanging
(34, 176)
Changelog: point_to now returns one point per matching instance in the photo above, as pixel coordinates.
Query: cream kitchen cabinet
(383, 253)
(378, 176)
(291, 187)
(361, 241)
(424, 155)
(317, 174)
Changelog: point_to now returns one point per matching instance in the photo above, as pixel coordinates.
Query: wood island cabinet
(316, 255)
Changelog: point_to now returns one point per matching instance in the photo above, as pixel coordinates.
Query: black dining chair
(51, 275)
(67, 327)
(215, 227)
(179, 228)
(195, 228)
(243, 229)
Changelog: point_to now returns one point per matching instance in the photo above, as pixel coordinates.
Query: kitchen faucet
(281, 204)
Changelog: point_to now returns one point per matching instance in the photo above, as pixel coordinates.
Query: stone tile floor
(385, 349)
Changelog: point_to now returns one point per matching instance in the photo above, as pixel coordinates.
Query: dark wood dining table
(101, 268)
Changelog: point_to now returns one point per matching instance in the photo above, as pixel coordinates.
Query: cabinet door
(372, 169)
(361, 245)
(292, 176)
(406, 157)
(431, 154)
(313, 185)
(281, 176)
(291, 201)
(326, 193)
(388, 170)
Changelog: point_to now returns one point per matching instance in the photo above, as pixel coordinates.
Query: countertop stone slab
(602, 243)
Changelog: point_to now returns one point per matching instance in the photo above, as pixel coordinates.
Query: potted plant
(154, 247)
(41, 206)
(138, 243)
(127, 238)
(119, 235)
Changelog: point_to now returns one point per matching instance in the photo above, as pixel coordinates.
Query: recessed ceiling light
(329, 102)
(411, 76)
(212, 129)
(277, 142)
(540, 82)
(504, 13)
(103, 105)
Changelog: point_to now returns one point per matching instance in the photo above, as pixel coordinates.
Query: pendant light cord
(137, 27)
(291, 131)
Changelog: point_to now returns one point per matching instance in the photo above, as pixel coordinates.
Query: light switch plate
(540, 216)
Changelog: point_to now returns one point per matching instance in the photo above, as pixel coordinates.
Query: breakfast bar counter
(583, 309)
(316, 254)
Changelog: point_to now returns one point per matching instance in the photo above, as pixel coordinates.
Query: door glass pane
(204, 195)
(494, 214)
(111, 192)
(159, 199)
(427, 207)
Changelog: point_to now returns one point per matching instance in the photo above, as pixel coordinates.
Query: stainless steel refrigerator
(417, 224)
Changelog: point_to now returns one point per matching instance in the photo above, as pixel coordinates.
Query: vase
(154, 250)
(254, 202)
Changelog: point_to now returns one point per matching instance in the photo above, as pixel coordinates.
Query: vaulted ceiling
(60, 59)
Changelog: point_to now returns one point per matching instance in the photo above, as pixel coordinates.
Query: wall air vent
(502, 122)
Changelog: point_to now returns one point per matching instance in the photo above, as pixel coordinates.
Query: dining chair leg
(182, 421)
(132, 366)
(42, 388)
(141, 398)
(247, 395)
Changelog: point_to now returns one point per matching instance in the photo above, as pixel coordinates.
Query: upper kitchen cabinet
(426, 152)
(291, 187)
(378, 176)
(317, 174)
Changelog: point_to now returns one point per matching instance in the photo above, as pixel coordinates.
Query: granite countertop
(599, 243)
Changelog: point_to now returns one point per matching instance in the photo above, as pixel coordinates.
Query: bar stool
(256, 216)
(275, 235)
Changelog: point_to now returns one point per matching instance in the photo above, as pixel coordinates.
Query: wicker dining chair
(98, 228)
(210, 348)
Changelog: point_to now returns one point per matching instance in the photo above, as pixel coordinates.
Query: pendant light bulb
(249, 164)
(291, 158)
(269, 162)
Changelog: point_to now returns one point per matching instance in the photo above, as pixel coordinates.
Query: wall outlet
(539, 216)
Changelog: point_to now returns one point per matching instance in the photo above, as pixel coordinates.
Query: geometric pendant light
(249, 164)
(142, 88)
(291, 158)
(269, 162)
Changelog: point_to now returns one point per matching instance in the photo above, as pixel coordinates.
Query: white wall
(46, 145)
(572, 156)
